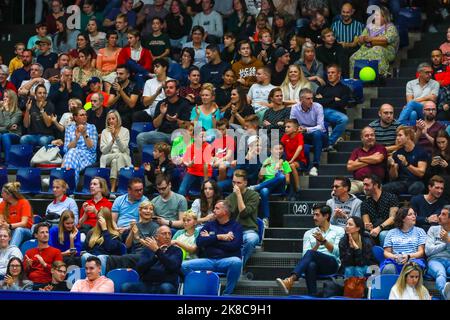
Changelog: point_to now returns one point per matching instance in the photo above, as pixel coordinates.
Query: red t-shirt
(21, 209)
(199, 156)
(291, 144)
(222, 145)
(92, 217)
(376, 169)
(37, 272)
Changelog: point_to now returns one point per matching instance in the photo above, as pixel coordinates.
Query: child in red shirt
(223, 148)
(197, 159)
(293, 144)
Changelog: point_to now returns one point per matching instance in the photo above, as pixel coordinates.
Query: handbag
(354, 287)
(47, 156)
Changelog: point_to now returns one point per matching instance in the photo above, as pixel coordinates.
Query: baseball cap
(279, 52)
(43, 40)
(94, 80)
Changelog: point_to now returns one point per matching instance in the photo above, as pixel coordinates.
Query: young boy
(46, 58)
(185, 239)
(223, 148)
(158, 42)
(160, 164)
(258, 95)
(245, 68)
(293, 143)
(265, 47)
(274, 174)
(180, 143)
(197, 159)
(41, 34)
(16, 62)
(228, 53)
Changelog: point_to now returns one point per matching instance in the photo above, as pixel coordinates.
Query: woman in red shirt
(16, 213)
(90, 208)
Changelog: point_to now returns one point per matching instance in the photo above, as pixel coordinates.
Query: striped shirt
(405, 242)
(385, 135)
(347, 32)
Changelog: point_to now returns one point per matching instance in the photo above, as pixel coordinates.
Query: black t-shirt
(378, 211)
(314, 35)
(47, 61)
(182, 107)
(98, 122)
(413, 157)
(248, 110)
(37, 124)
(120, 104)
(223, 96)
(277, 77)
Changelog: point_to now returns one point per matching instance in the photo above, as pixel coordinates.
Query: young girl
(409, 285)
(66, 238)
(203, 207)
(185, 239)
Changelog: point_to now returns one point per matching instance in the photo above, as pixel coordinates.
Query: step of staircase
(322, 181)
(391, 92)
(373, 112)
(348, 146)
(340, 157)
(299, 221)
(285, 233)
(396, 102)
(397, 82)
(282, 245)
(361, 123)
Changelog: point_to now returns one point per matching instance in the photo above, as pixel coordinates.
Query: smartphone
(437, 158)
(73, 249)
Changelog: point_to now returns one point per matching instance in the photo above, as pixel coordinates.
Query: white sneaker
(266, 223)
(432, 29)
(447, 291)
(45, 182)
(313, 172)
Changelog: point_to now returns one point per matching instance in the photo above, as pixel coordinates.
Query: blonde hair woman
(311, 67)
(114, 146)
(294, 82)
(10, 121)
(66, 238)
(20, 222)
(208, 112)
(144, 228)
(61, 202)
(409, 285)
(103, 240)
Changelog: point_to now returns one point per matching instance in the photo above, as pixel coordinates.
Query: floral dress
(383, 54)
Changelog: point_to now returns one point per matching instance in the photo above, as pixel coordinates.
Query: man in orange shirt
(94, 281)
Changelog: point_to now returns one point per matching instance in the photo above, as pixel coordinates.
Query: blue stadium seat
(27, 245)
(205, 283)
(121, 276)
(125, 174)
(378, 252)
(147, 153)
(381, 286)
(68, 175)
(89, 174)
(30, 180)
(136, 128)
(20, 156)
(3, 177)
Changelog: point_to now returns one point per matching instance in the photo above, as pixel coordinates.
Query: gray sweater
(434, 247)
(352, 207)
(7, 119)
(6, 255)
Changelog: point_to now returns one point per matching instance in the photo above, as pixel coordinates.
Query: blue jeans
(339, 122)
(390, 266)
(318, 139)
(151, 137)
(19, 236)
(187, 182)
(439, 268)
(231, 266)
(103, 258)
(143, 287)
(412, 111)
(251, 240)
(355, 271)
(381, 236)
(400, 187)
(315, 263)
(277, 184)
(8, 139)
(139, 72)
(36, 139)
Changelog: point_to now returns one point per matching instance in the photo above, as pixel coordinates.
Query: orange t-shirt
(21, 209)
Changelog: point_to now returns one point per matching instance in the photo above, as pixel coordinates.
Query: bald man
(386, 127)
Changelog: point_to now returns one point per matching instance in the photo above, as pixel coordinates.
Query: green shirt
(248, 217)
(269, 170)
(179, 147)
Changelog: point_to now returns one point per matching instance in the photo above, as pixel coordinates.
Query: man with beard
(347, 30)
(124, 95)
(427, 129)
(19, 75)
(407, 165)
(386, 127)
(441, 73)
(312, 31)
(367, 160)
(378, 209)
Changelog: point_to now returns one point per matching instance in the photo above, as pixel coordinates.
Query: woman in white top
(409, 285)
(203, 207)
(114, 146)
(294, 82)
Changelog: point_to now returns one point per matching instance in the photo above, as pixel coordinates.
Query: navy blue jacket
(158, 267)
(213, 73)
(211, 247)
(110, 245)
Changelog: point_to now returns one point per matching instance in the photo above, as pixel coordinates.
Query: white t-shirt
(150, 88)
(259, 93)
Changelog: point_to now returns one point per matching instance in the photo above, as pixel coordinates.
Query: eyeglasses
(430, 110)
(61, 271)
(137, 190)
(15, 266)
(162, 188)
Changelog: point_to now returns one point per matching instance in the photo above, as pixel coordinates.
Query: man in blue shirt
(19, 75)
(220, 241)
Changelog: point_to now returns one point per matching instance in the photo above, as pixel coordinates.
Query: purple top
(312, 119)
